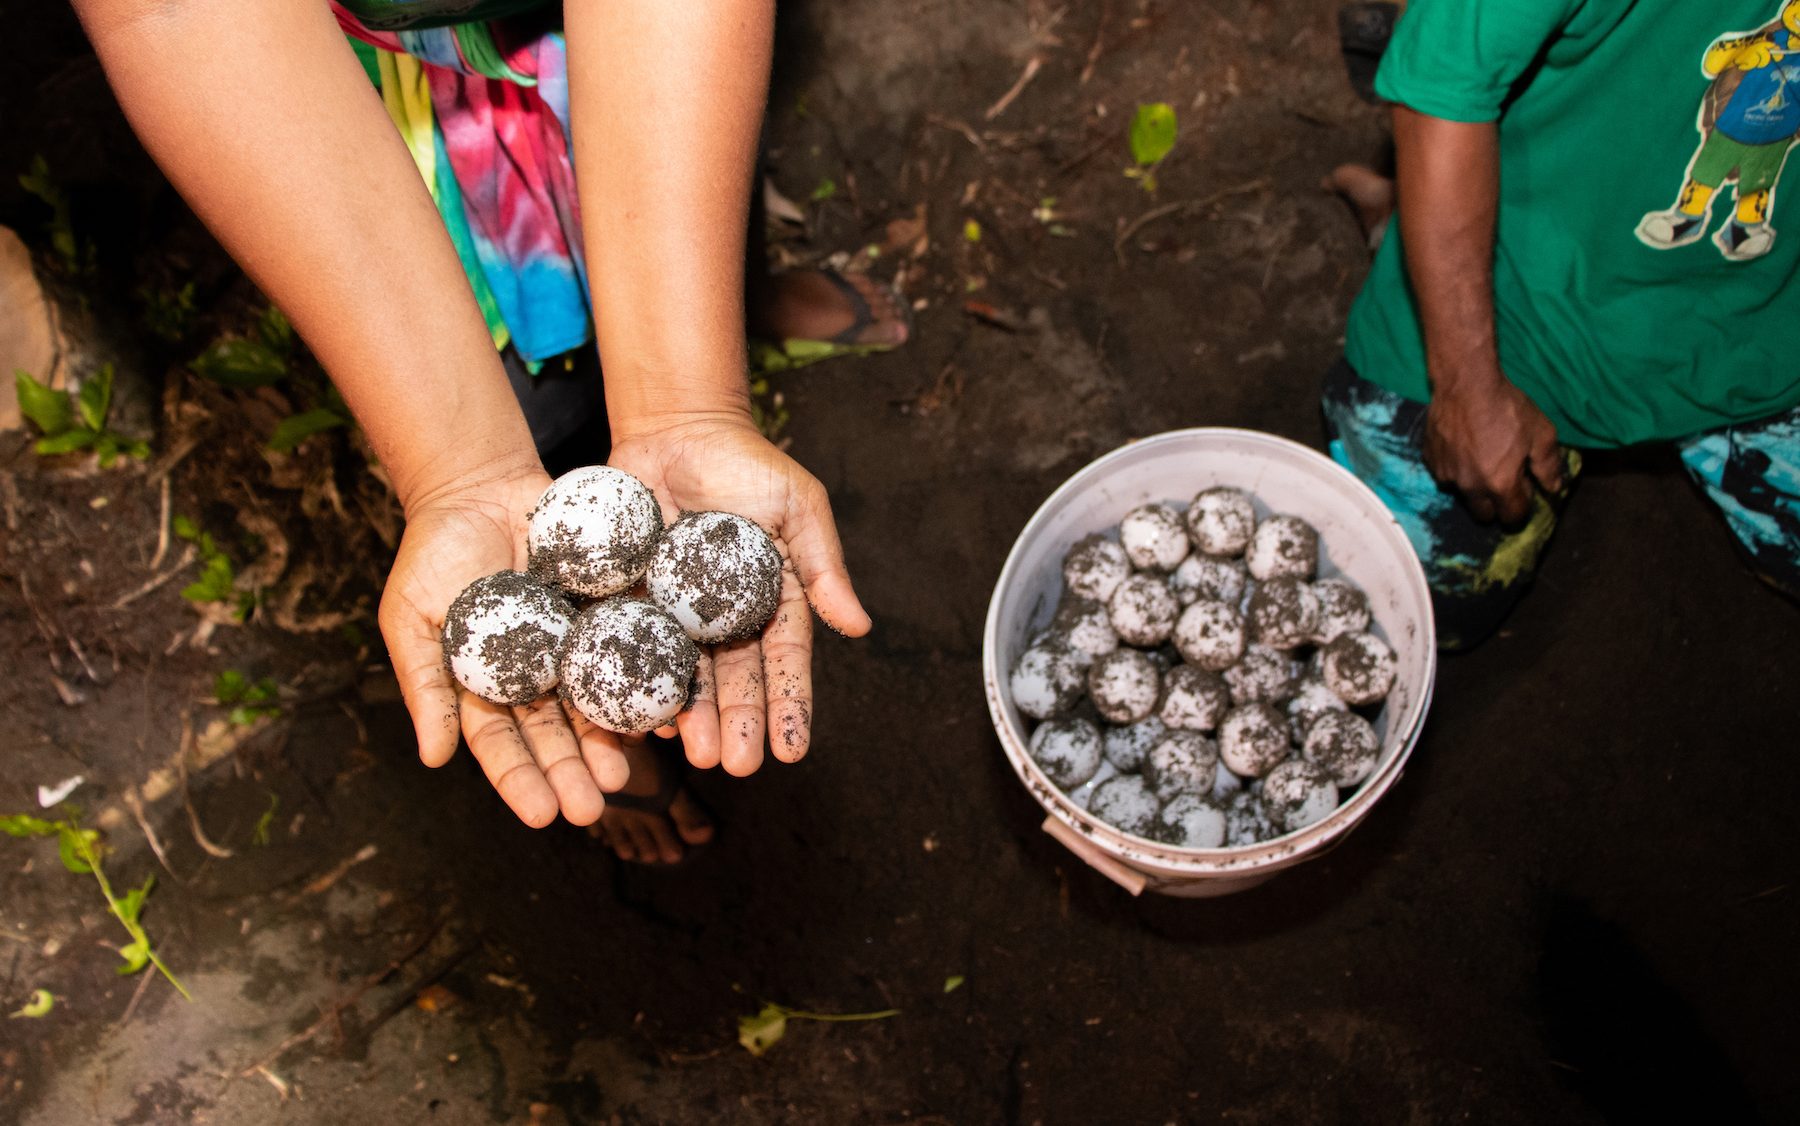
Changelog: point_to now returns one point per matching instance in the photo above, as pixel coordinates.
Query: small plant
(248, 700)
(218, 576)
(1152, 136)
(42, 1001)
(76, 257)
(259, 834)
(255, 360)
(827, 189)
(168, 312)
(81, 853)
(71, 423)
(772, 418)
(759, 1033)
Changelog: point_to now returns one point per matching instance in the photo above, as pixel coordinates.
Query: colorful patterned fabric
(484, 110)
(1478, 572)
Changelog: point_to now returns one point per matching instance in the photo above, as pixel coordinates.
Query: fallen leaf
(42, 1001)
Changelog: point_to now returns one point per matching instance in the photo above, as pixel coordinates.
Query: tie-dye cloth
(484, 109)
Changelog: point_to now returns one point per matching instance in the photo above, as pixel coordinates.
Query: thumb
(818, 559)
(1547, 464)
(417, 654)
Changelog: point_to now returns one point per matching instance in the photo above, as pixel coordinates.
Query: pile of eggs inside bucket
(1199, 686)
(625, 662)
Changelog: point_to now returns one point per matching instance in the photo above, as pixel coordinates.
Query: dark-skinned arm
(1483, 436)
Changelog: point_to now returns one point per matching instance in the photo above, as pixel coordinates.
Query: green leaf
(826, 189)
(971, 231)
(184, 527)
(95, 397)
(260, 834)
(25, 825)
(262, 691)
(229, 686)
(138, 449)
(1152, 133)
(47, 408)
(241, 363)
(42, 1001)
(214, 583)
(275, 330)
(953, 983)
(296, 428)
(129, 908)
(108, 449)
(136, 955)
(75, 847)
(761, 1032)
(67, 442)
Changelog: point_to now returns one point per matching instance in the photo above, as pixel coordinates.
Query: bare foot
(1371, 193)
(809, 305)
(647, 837)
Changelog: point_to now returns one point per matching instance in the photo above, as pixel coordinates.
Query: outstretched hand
(759, 689)
(540, 759)
(1489, 441)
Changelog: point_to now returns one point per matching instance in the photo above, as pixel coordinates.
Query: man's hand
(534, 756)
(761, 685)
(1487, 439)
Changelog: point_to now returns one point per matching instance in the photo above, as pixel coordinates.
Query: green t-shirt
(1604, 106)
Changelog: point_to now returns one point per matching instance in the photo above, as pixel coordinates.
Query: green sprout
(1152, 135)
(218, 576)
(248, 700)
(75, 256)
(70, 423)
(81, 852)
(759, 1033)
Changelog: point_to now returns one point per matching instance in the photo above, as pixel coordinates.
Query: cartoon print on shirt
(1749, 119)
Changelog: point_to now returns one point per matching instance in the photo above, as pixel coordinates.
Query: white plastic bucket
(1359, 540)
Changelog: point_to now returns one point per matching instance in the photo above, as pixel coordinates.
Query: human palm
(762, 686)
(539, 758)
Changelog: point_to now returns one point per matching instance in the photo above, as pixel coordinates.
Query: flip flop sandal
(673, 782)
(768, 358)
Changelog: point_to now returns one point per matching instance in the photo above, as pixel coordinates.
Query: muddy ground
(1579, 906)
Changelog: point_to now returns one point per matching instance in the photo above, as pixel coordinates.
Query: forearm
(1448, 183)
(667, 101)
(263, 120)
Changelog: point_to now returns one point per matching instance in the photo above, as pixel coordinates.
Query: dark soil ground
(1581, 905)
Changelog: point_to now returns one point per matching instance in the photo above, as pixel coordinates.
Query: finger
(699, 723)
(552, 743)
(1481, 505)
(742, 706)
(787, 663)
(1515, 501)
(495, 741)
(602, 752)
(818, 558)
(1547, 464)
(417, 652)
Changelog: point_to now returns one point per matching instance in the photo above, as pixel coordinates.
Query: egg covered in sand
(628, 665)
(593, 531)
(718, 574)
(501, 637)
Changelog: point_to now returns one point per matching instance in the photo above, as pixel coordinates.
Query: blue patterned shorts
(1478, 572)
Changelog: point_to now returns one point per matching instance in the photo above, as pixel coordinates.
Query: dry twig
(187, 798)
(156, 582)
(1032, 65)
(1168, 209)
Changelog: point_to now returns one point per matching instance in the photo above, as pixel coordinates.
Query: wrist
(648, 423)
(463, 475)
